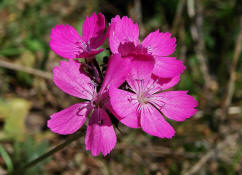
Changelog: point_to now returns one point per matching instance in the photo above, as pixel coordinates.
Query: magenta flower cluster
(134, 88)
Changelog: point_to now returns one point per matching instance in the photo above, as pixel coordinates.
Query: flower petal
(94, 30)
(153, 123)
(176, 105)
(117, 71)
(70, 119)
(100, 136)
(125, 107)
(165, 83)
(141, 70)
(90, 54)
(142, 66)
(65, 41)
(121, 31)
(70, 79)
(160, 44)
(167, 67)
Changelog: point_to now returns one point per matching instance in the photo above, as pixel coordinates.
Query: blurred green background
(209, 41)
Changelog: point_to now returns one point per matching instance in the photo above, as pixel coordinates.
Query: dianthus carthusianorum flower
(66, 41)
(70, 78)
(145, 102)
(124, 39)
(134, 88)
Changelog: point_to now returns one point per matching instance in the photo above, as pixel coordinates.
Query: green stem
(32, 163)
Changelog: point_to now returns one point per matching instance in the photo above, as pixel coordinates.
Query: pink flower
(66, 42)
(145, 103)
(124, 39)
(69, 77)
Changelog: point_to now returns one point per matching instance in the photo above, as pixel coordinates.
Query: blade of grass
(6, 158)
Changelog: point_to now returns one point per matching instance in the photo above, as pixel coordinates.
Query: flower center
(99, 101)
(131, 49)
(144, 91)
(143, 97)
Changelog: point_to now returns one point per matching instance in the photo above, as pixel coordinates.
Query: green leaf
(27, 151)
(10, 51)
(14, 114)
(6, 158)
(34, 45)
